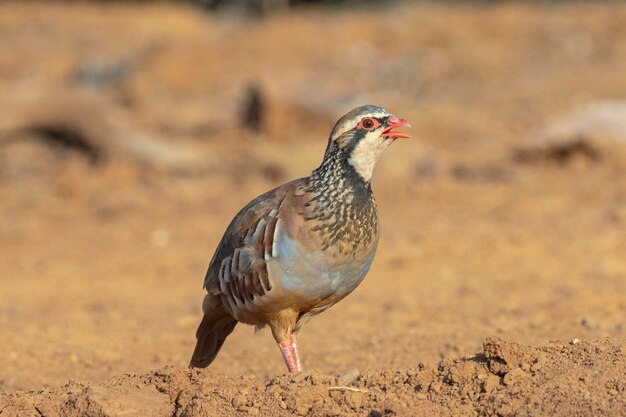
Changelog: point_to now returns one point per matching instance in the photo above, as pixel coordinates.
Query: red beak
(392, 123)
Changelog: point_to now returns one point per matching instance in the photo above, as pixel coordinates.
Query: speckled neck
(343, 203)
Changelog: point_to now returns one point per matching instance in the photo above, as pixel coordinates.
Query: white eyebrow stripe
(352, 123)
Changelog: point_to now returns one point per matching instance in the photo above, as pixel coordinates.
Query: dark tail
(215, 327)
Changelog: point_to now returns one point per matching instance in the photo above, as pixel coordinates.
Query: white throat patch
(366, 154)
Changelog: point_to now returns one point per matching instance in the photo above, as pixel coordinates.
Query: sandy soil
(103, 260)
(505, 379)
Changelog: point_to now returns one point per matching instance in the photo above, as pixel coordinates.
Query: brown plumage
(294, 251)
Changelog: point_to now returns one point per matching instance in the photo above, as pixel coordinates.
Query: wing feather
(238, 268)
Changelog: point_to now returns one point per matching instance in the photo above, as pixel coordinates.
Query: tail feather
(213, 330)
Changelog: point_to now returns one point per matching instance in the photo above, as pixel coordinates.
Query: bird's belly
(316, 275)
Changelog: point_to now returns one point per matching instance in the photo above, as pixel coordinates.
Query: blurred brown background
(132, 132)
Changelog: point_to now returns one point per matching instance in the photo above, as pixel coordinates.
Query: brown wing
(238, 266)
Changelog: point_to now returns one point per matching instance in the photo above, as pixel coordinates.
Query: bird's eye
(368, 123)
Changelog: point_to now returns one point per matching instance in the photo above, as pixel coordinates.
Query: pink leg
(293, 344)
(290, 360)
(289, 349)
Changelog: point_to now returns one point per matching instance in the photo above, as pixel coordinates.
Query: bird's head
(362, 135)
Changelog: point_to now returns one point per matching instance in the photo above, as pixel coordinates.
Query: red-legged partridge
(296, 250)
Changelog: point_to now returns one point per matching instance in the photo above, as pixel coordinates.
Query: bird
(300, 248)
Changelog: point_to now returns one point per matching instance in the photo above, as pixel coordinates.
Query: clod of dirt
(505, 379)
(503, 358)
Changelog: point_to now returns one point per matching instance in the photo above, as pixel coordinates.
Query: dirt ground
(505, 379)
(499, 287)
